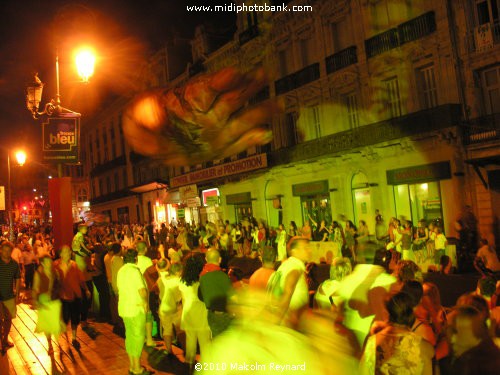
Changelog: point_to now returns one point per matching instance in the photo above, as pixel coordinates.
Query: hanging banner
(61, 138)
(2, 198)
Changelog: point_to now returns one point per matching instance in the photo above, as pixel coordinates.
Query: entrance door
(362, 202)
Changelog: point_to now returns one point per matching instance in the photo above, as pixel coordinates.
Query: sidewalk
(103, 356)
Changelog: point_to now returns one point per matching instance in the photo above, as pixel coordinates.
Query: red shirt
(70, 283)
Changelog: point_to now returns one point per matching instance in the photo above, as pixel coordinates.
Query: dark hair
(400, 309)
(415, 290)
(406, 270)
(382, 258)
(235, 273)
(130, 256)
(476, 301)
(116, 248)
(476, 317)
(192, 270)
(295, 241)
(487, 286)
(268, 254)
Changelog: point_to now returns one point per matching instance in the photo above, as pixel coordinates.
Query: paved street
(105, 355)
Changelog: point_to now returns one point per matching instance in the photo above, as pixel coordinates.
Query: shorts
(167, 323)
(135, 334)
(10, 306)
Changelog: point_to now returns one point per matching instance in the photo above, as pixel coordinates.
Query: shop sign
(189, 191)
(421, 173)
(193, 202)
(310, 188)
(180, 213)
(239, 198)
(223, 170)
(212, 200)
(61, 138)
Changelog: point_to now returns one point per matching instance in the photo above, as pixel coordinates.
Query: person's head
(438, 230)
(382, 258)
(141, 247)
(65, 253)
(192, 269)
(213, 257)
(116, 248)
(176, 269)
(400, 309)
(468, 329)
(340, 268)
(487, 286)
(406, 270)
(476, 301)
(445, 264)
(300, 248)
(130, 256)
(269, 255)
(235, 274)
(431, 293)
(483, 242)
(82, 228)
(163, 265)
(415, 290)
(422, 224)
(362, 224)
(408, 224)
(281, 227)
(293, 225)
(7, 248)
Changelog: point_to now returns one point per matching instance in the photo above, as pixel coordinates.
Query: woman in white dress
(194, 319)
(49, 310)
(281, 240)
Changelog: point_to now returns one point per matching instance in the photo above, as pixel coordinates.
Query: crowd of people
(251, 299)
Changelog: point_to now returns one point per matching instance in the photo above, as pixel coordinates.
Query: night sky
(122, 32)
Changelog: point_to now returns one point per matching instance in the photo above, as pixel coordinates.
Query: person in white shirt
(143, 263)
(133, 307)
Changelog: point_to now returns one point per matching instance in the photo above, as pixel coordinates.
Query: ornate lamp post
(21, 159)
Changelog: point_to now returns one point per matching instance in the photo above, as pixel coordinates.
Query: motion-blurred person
(215, 290)
(325, 295)
(10, 283)
(396, 349)
(72, 287)
(488, 256)
(143, 263)
(194, 320)
(29, 262)
(170, 296)
(260, 277)
(133, 307)
(281, 241)
(48, 306)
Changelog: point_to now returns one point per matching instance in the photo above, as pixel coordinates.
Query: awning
(151, 186)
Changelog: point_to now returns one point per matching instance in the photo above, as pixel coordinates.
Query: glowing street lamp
(85, 61)
(21, 159)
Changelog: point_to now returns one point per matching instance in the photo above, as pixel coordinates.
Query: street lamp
(21, 159)
(85, 61)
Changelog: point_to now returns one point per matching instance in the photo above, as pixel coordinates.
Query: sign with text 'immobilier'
(217, 171)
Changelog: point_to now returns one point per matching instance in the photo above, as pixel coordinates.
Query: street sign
(180, 213)
(61, 138)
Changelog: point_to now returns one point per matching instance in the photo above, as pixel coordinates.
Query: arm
(143, 292)
(288, 289)
(36, 289)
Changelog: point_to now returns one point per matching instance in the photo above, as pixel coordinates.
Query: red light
(25, 208)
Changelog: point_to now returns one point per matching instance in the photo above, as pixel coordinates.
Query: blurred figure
(325, 295)
(143, 263)
(281, 241)
(396, 349)
(488, 256)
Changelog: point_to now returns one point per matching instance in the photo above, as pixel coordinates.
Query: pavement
(103, 355)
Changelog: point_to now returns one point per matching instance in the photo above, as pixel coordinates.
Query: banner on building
(189, 191)
(61, 138)
(227, 169)
(2, 198)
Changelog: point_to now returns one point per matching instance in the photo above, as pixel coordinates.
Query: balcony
(437, 118)
(341, 59)
(297, 79)
(249, 34)
(484, 37)
(406, 32)
(107, 166)
(111, 196)
(482, 129)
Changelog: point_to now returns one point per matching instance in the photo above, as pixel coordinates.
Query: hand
(88, 294)
(202, 120)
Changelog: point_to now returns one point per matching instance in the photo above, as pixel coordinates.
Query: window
(123, 215)
(393, 97)
(306, 51)
(113, 142)
(487, 11)
(341, 34)
(351, 109)
(284, 62)
(290, 129)
(491, 89)
(316, 121)
(426, 85)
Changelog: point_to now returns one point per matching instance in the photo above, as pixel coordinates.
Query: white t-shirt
(170, 294)
(144, 262)
(440, 242)
(300, 296)
(130, 282)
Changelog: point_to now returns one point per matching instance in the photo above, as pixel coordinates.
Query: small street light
(21, 159)
(85, 61)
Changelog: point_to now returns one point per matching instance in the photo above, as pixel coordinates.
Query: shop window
(123, 215)
(243, 211)
(419, 202)
(316, 208)
(426, 85)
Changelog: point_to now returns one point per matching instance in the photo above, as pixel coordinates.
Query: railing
(111, 196)
(437, 118)
(482, 129)
(487, 42)
(297, 79)
(406, 32)
(341, 59)
(105, 167)
(248, 34)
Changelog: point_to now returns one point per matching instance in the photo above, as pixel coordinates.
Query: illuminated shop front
(211, 211)
(417, 191)
(314, 200)
(190, 204)
(242, 204)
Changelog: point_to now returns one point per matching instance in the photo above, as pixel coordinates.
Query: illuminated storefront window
(419, 201)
